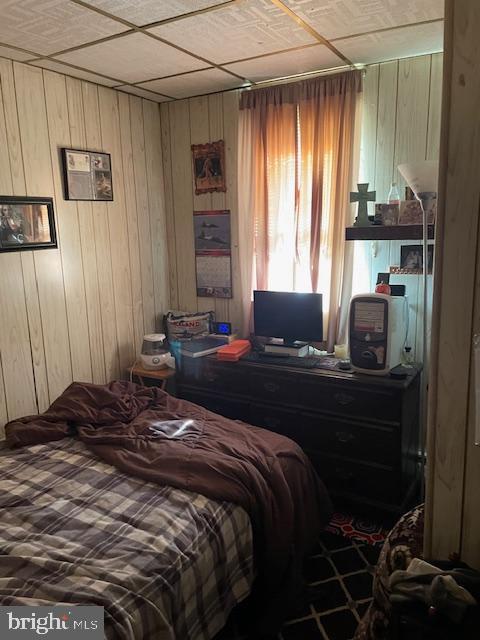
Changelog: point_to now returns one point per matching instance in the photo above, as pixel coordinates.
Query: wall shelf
(398, 232)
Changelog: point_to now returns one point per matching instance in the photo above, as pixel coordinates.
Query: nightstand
(151, 377)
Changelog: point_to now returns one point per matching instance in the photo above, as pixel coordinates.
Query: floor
(339, 576)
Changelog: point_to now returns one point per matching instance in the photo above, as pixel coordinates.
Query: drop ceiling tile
(14, 54)
(133, 58)
(340, 18)
(47, 26)
(415, 40)
(286, 64)
(75, 73)
(137, 91)
(248, 28)
(194, 84)
(141, 12)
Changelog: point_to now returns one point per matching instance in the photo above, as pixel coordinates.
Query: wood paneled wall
(400, 123)
(78, 312)
(453, 497)
(187, 122)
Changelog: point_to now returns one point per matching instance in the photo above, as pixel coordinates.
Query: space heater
(377, 332)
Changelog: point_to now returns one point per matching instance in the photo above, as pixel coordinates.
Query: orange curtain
(297, 142)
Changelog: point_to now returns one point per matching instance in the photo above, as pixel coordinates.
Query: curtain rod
(300, 76)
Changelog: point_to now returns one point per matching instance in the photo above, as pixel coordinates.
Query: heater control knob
(155, 360)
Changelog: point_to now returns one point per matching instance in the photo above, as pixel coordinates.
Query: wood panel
(117, 225)
(156, 198)
(68, 230)
(183, 123)
(75, 312)
(48, 264)
(452, 509)
(143, 213)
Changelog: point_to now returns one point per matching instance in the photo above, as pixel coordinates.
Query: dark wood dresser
(361, 432)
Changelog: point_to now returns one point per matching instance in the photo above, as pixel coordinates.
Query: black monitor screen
(291, 316)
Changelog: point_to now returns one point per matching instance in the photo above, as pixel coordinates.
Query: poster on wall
(213, 253)
(87, 175)
(209, 167)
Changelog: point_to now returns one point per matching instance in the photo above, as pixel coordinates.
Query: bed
(105, 500)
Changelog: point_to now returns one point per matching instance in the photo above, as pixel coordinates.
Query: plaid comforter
(164, 563)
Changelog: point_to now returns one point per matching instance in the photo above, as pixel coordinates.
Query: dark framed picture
(411, 259)
(209, 167)
(26, 223)
(87, 175)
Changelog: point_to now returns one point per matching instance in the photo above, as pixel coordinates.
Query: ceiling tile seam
(74, 66)
(134, 27)
(157, 23)
(386, 29)
(309, 29)
(125, 84)
(172, 75)
(274, 53)
(15, 48)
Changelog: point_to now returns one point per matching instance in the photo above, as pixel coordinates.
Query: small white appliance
(377, 332)
(155, 354)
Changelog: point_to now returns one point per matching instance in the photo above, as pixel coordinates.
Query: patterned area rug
(339, 576)
(357, 528)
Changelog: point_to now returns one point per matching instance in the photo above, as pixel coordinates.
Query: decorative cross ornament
(362, 197)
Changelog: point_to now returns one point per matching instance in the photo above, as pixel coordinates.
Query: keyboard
(307, 362)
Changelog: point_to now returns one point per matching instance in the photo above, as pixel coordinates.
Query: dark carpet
(339, 577)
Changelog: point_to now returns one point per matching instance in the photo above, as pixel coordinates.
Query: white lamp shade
(421, 177)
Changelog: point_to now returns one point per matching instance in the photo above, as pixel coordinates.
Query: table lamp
(422, 178)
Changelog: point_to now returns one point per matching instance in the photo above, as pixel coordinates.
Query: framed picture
(26, 224)
(411, 259)
(411, 211)
(87, 175)
(209, 167)
(386, 214)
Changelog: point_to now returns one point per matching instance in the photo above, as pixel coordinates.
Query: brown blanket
(267, 474)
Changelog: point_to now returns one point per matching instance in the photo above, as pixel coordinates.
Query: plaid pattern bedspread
(165, 564)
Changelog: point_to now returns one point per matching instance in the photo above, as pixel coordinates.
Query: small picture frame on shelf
(26, 223)
(411, 260)
(386, 214)
(410, 212)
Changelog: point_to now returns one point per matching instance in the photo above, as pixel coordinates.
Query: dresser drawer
(225, 406)
(274, 387)
(361, 480)
(213, 375)
(350, 439)
(352, 400)
(281, 421)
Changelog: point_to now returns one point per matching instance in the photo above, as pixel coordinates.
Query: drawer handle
(211, 377)
(343, 398)
(344, 436)
(271, 386)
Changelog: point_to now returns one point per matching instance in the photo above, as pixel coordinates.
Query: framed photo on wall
(87, 175)
(209, 167)
(26, 223)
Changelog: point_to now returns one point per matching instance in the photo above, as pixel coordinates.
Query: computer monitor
(291, 316)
